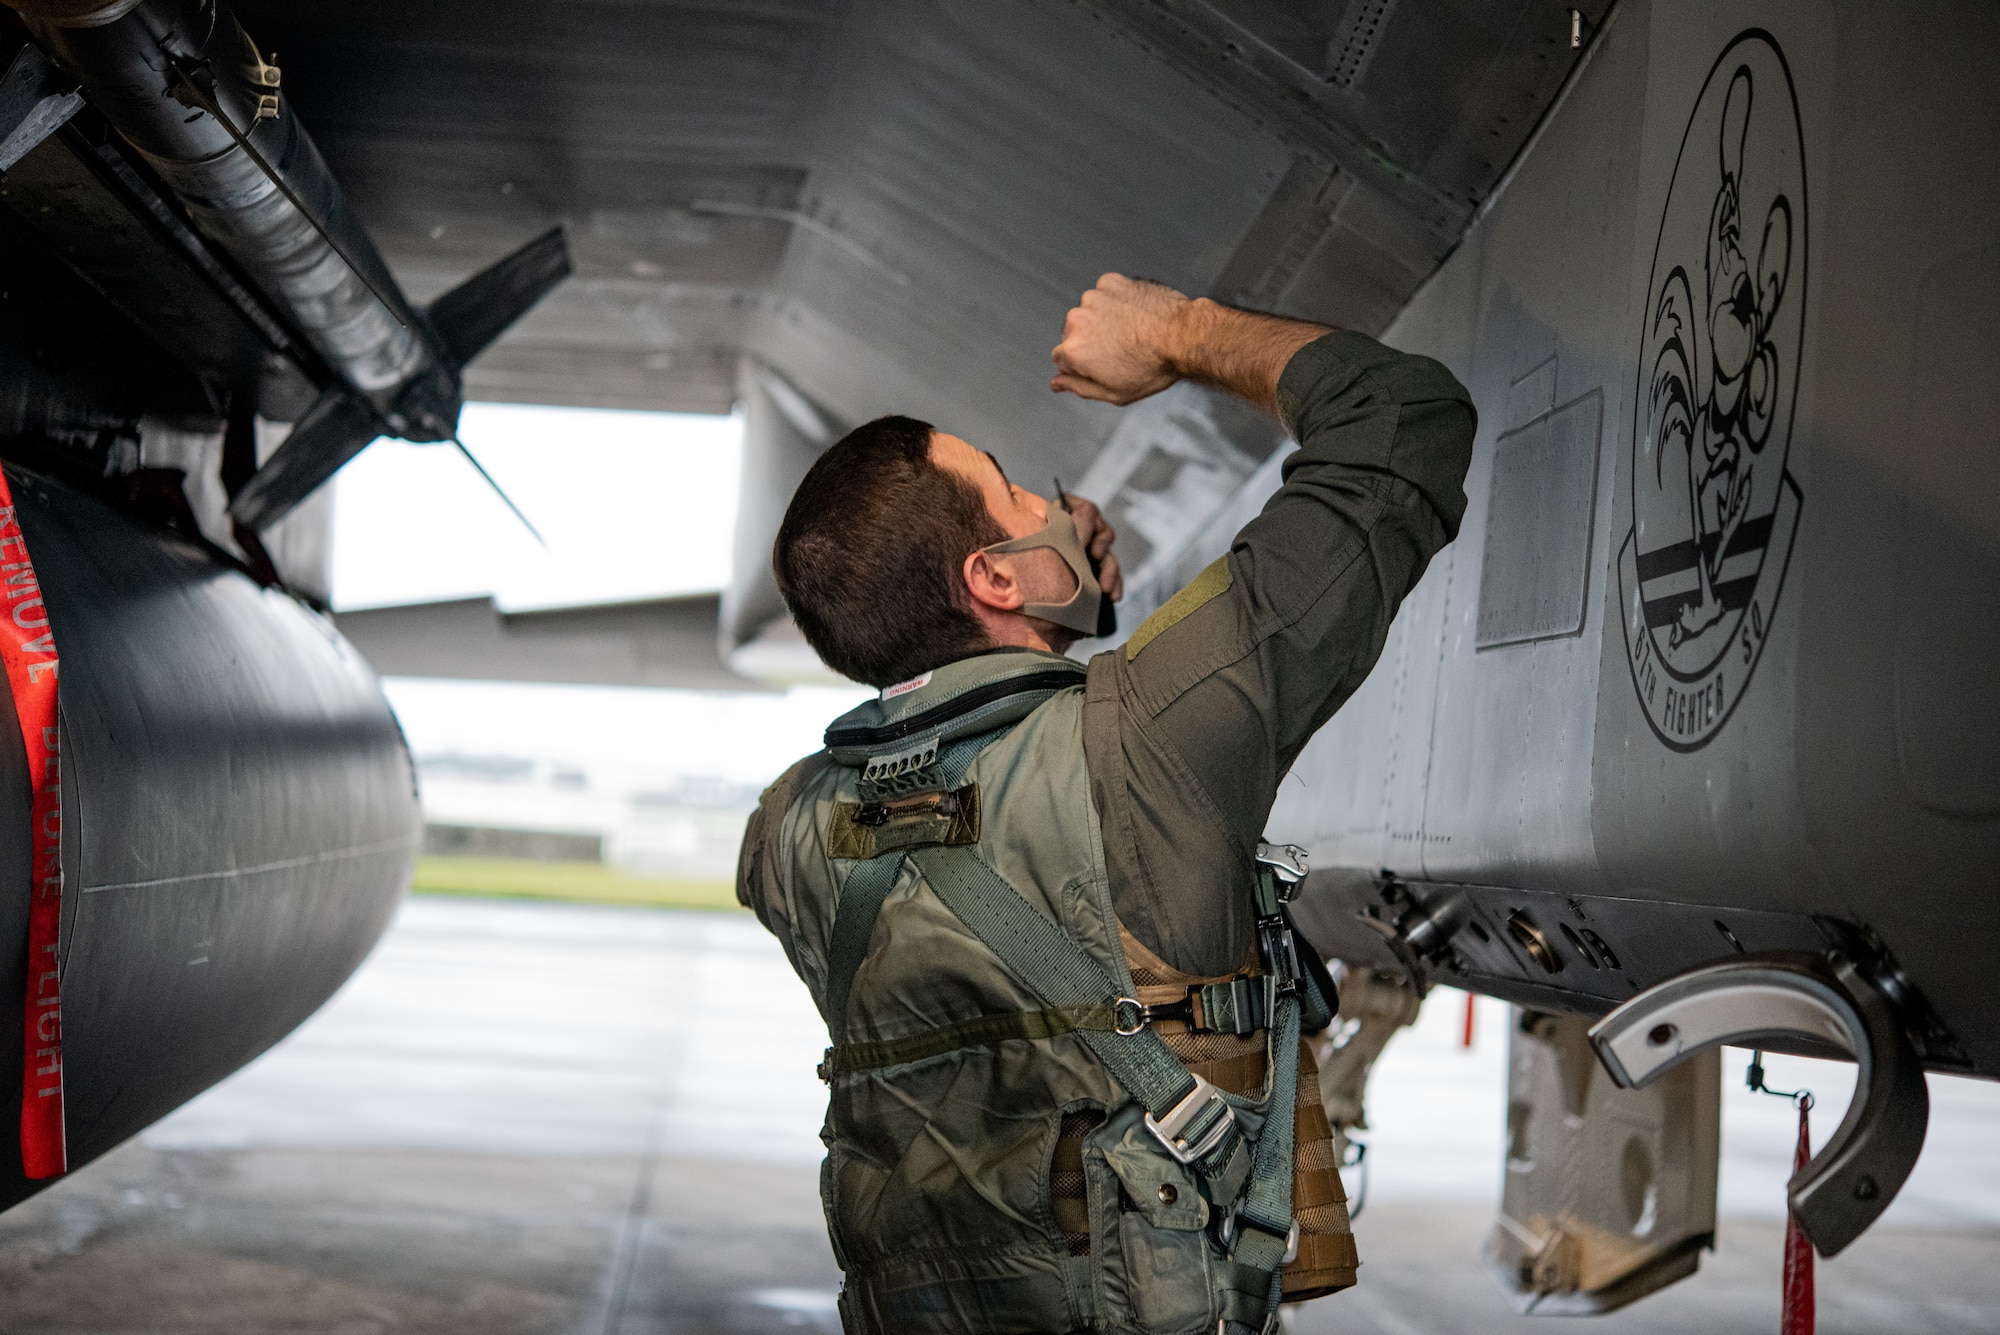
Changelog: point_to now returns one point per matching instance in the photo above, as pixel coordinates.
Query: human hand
(1097, 536)
(1118, 341)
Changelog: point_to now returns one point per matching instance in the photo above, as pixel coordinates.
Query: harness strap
(1193, 1120)
(1181, 1107)
(869, 883)
(979, 1032)
(861, 896)
(1265, 1232)
(1265, 1238)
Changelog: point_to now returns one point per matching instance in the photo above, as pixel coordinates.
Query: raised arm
(1127, 339)
(1199, 715)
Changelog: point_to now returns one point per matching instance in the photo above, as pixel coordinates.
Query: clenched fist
(1119, 341)
(1126, 339)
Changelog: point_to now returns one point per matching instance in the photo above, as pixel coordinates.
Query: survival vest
(1035, 1125)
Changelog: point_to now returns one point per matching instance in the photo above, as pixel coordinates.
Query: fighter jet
(1689, 738)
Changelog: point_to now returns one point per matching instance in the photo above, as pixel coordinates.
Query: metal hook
(1825, 1000)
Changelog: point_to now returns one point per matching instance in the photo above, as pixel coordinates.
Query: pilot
(1068, 1090)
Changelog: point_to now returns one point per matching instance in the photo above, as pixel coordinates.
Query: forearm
(1242, 352)
(1127, 339)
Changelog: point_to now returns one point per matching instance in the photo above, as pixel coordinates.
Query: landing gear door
(1609, 1194)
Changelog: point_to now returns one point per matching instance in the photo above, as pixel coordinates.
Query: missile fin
(335, 429)
(480, 309)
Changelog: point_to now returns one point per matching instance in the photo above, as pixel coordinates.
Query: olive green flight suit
(1217, 693)
(986, 1171)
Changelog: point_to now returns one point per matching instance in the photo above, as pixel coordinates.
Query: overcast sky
(633, 505)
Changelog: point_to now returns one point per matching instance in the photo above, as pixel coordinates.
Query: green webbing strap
(979, 1032)
(869, 883)
(1264, 1220)
(1063, 974)
(861, 896)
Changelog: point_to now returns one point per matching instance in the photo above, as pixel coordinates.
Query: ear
(991, 582)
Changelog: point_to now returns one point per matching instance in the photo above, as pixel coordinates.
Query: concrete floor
(361, 1241)
(534, 1118)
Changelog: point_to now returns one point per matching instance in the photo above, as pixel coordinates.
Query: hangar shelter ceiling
(852, 207)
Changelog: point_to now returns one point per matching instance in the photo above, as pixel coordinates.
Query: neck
(1011, 630)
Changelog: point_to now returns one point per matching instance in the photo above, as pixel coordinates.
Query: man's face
(1044, 575)
(1017, 510)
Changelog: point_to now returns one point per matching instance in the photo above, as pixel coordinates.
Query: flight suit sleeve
(1192, 723)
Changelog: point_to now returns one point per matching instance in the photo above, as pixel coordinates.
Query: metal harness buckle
(1172, 1130)
(1233, 1222)
(1236, 1007)
(1287, 862)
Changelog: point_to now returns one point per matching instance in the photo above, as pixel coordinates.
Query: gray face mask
(1060, 536)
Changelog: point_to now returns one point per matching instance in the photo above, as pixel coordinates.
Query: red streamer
(28, 651)
(1797, 1318)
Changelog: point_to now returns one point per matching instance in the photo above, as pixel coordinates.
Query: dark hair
(869, 554)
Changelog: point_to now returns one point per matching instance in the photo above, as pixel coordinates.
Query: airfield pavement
(523, 1118)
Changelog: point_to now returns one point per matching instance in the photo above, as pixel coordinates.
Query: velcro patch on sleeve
(1213, 580)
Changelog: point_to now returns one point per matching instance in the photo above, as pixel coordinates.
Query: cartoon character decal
(1713, 508)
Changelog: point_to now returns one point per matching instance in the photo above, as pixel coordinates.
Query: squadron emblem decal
(1713, 508)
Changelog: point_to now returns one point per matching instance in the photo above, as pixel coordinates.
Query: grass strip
(569, 882)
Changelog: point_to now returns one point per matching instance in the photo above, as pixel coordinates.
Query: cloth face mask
(1060, 536)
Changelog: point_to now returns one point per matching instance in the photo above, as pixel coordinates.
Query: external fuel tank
(239, 819)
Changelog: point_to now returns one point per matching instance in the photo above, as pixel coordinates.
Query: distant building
(486, 841)
(502, 806)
